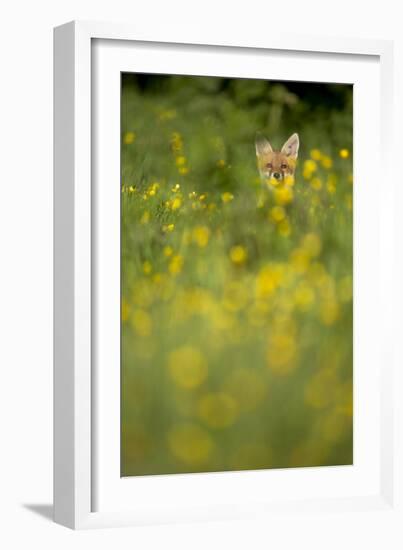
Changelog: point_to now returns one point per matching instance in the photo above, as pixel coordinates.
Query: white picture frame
(87, 491)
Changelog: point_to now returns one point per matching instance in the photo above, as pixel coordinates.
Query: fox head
(277, 164)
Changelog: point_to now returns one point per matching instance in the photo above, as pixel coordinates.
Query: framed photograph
(223, 276)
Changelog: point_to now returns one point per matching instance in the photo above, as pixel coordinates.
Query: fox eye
(269, 165)
(283, 166)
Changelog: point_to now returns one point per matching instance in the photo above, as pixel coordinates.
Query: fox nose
(276, 175)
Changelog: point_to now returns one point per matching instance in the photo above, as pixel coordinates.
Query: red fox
(277, 166)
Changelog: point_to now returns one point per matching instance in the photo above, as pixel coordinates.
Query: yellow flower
(203, 197)
(315, 154)
(277, 213)
(201, 235)
(187, 367)
(176, 265)
(310, 166)
(193, 195)
(176, 188)
(124, 311)
(176, 143)
(269, 278)
(183, 170)
(326, 162)
(129, 137)
(344, 153)
(238, 254)
(190, 443)
(152, 191)
(168, 251)
(284, 228)
(168, 228)
(218, 410)
(289, 180)
(272, 182)
(227, 197)
(176, 203)
(283, 195)
(180, 161)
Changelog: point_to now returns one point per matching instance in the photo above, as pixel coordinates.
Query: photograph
(236, 225)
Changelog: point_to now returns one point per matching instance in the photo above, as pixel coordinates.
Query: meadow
(236, 315)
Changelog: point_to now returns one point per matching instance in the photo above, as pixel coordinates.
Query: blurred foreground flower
(129, 138)
(315, 154)
(326, 161)
(309, 168)
(168, 251)
(238, 254)
(201, 235)
(227, 197)
(277, 213)
(283, 195)
(176, 203)
(125, 310)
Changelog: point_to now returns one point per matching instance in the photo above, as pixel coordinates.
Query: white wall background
(26, 260)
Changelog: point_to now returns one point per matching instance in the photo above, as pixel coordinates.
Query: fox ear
(262, 145)
(291, 146)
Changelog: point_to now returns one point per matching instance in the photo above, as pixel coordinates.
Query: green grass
(236, 298)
